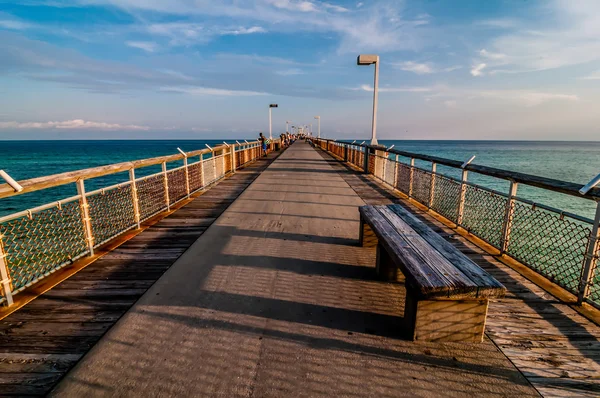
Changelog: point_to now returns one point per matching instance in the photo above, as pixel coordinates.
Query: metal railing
(37, 242)
(561, 246)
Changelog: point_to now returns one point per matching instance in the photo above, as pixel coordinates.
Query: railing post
(85, 216)
(202, 170)
(461, 198)
(233, 158)
(223, 161)
(345, 152)
(432, 184)
(134, 197)
(187, 175)
(366, 160)
(166, 185)
(5, 275)
(591, 259)
(410, 177)
(396, 167)
(214, 163)
(508, 216)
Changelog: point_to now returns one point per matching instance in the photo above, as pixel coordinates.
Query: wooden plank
(488, 286)
(44, 339)
(432, 261)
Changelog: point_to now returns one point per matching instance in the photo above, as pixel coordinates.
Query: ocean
(577, 162)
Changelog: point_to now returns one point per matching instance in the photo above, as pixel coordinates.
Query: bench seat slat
(488, 285)
(393, 242)
(432, 261)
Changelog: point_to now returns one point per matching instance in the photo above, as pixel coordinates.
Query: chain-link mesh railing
(37, 242)
(484, 214)
(42, 240)
(551, 242)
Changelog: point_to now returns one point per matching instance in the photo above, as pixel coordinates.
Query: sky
(195, 69)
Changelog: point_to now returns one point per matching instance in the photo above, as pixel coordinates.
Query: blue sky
(499, 69)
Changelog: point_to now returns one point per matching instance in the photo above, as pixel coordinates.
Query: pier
(252, 283)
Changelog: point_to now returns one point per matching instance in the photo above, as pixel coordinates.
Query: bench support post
(367, 237)
(385, 267)
(445, 320)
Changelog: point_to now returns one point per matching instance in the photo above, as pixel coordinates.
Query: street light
(271, 106)
(319, 119)
(370, 60)
(287, 122)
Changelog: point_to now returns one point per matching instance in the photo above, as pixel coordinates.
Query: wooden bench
(446, 293)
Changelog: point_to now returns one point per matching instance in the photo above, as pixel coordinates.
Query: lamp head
(273, 106)
(367, 59)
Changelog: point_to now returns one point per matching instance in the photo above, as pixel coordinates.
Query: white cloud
(366, 87)
(476, 70)
(211, 91)
(490, 55)
(147, 46)
(571, 38)
(593, 76)
(291, 5)
(527, 98)
(415, 67)
(71, 124)
(452, 68)
(244, 31)
(14, 24)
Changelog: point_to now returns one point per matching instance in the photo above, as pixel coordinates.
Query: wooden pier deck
(276, 299)
(42, 341)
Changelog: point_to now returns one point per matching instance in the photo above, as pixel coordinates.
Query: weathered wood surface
(43, 340)
(428, 272)
(555, 347)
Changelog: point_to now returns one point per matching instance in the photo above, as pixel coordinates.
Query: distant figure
(263, 142)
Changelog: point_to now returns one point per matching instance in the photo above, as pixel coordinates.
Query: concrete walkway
(276, 299)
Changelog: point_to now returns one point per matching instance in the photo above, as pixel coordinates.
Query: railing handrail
(54, 180)
(569, 188)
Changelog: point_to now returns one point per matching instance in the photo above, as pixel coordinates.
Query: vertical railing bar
(166, 185)
(591, 260)
(85, 215)
(187, 176)
(134, 198)
(461, 198)
(233, 158)
(202, 182)
(5, 275)
(432, 184)
(411, 177)
(508, 216)
(396, 167)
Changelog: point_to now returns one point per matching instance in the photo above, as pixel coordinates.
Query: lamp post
(319, 128)
(370, 60)
(271, 106)
(287, 123)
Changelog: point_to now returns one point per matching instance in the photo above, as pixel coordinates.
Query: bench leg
(385, 267)
(445, 320)
(367, 237)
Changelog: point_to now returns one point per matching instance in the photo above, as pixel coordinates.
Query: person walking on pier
(263, 142)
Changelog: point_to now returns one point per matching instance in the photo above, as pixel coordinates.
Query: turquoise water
(571, 161)
(29, 159)
(576, 162)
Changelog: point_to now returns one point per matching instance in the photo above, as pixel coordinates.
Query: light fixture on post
(319, 126)
(370, 60)
(271, 106)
